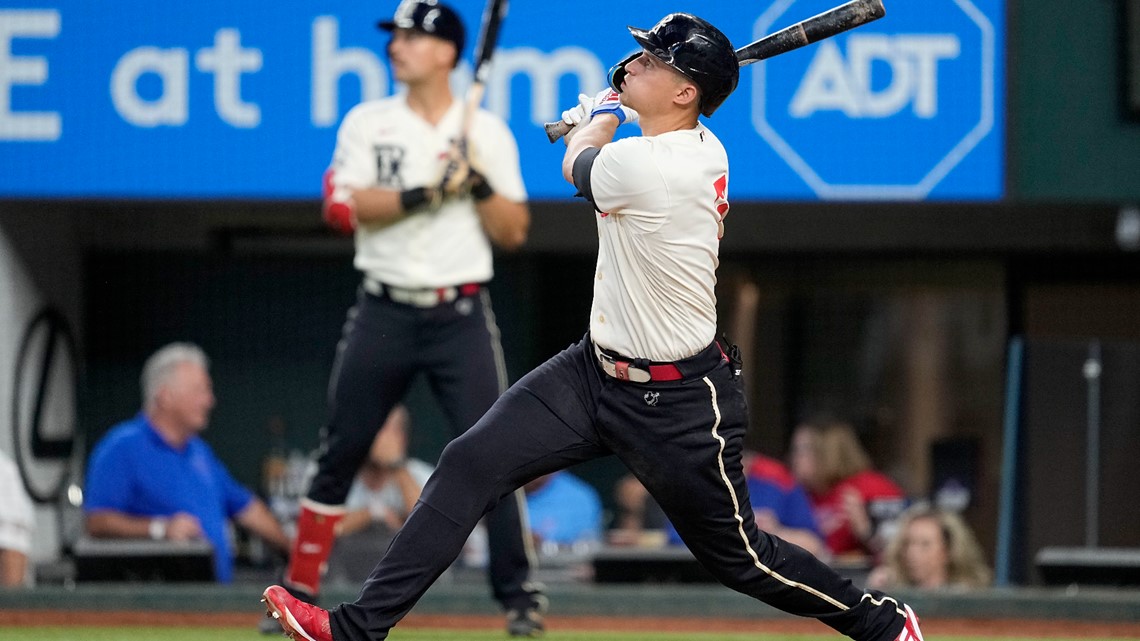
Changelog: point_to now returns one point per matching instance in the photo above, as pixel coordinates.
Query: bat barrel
(842, 18)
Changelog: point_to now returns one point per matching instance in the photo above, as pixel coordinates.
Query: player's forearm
(598, 132)
(377, 206)
(505, 221)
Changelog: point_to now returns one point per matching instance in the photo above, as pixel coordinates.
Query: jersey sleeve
(495, 153)
(626, 180)
(353, 163)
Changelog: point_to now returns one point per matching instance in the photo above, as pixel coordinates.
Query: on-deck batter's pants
(456, 345)
(682, 439)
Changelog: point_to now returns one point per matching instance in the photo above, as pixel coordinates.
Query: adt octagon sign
(905, 108)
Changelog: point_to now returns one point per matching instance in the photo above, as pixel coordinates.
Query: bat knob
(556, 129)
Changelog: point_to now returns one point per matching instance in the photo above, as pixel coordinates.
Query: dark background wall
(1072, 134)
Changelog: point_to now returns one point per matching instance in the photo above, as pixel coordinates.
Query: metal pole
(1092, 372)
(1007, 506)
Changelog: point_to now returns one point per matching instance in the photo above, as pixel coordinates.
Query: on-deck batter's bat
(829, 23)
(493, 16)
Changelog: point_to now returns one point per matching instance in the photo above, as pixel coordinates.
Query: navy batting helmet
(428, 16)
(693, 47)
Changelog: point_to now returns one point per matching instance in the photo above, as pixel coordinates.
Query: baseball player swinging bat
(493, 16)
(829, 23)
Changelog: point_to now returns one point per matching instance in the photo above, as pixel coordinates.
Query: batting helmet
(693, 47)
(431, 17)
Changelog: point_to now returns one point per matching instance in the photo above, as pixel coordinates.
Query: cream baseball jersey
(651, 193)
(383, 143)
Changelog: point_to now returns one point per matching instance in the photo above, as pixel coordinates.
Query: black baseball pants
(682, 439)
(385, 344)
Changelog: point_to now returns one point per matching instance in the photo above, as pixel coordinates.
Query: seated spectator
(379, 501)
(854, 505)
(17, 521)
(933, 550)
(389, 483)
(154, 477)
(779, 503)
(639, 519)
(563, 510)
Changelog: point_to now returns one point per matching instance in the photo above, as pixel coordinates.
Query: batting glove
(608, 101)
(579, 115)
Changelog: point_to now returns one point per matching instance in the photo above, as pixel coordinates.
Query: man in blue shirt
(780, 504)
(563, 509)
(153, 477)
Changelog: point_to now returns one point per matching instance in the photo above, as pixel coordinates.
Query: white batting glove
(605, 101)
(579, 114)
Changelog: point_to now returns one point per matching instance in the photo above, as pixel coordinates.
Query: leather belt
(627, 371)
(428, 297)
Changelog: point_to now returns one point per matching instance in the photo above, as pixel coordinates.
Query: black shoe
(525, 623)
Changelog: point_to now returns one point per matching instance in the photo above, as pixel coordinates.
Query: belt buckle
(621, 370)
(626, 372)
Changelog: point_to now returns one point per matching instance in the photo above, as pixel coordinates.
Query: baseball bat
(819, 27)
(493, 15)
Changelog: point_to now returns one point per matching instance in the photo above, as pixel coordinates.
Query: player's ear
(686, 95)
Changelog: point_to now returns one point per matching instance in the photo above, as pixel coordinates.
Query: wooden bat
(493, 16)
(825, 25)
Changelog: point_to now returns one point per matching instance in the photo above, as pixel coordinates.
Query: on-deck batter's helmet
(693, 47)
(431, 17)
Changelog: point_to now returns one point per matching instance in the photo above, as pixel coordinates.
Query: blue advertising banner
(240, 99)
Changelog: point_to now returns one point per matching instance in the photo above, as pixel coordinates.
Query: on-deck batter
(424, 250)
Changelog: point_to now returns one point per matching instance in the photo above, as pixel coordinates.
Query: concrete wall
(40, 298)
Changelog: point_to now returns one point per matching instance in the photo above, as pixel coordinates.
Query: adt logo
(888, 110)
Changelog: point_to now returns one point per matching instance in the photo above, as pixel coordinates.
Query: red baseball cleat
(910, 631)
(298, 619)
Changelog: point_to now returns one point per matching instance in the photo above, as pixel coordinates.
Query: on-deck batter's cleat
(268, 625)
(910, 631)
(299, 620)
(525, 623)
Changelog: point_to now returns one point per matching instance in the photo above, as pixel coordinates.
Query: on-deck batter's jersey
(661, 201)
(383, 143)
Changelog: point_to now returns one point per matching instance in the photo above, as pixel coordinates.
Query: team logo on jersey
(389, 158)
(651, 398)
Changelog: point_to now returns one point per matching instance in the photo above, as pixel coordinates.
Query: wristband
(481, 190)
(157, 529)
(412, 198)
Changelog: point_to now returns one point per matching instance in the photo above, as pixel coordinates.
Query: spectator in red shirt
(855, 506)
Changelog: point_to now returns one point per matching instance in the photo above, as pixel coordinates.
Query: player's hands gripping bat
(450, 180)
(825, 25)
(606, 101)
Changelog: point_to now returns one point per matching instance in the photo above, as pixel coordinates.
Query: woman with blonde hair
(934, 549)
(854, 505)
